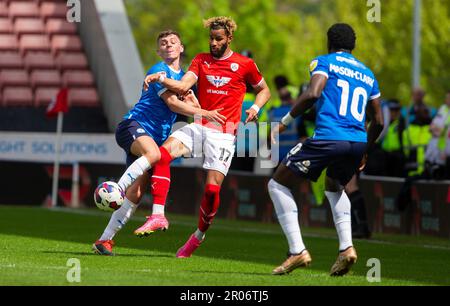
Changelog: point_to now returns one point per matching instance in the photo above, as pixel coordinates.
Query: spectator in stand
(392, 141)
(415, 140)
(418, 102)
(438, 150)
(287, 95)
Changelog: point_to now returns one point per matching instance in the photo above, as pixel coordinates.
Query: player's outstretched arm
(179, 87)
(310, 96)
(262, 96)
(375, 115)
(303, 103)
(187, 109)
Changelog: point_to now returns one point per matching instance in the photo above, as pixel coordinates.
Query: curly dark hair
(341, 36)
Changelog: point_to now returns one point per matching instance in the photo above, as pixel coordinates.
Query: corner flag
(58, 104)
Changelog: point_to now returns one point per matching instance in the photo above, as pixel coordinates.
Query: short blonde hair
(221, 22)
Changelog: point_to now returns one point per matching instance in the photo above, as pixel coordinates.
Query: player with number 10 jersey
(342, 107)
(343, 89)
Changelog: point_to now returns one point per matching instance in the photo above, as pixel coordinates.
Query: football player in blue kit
(144, 129)
(342, 88)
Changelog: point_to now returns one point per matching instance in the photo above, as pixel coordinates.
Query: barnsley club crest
(217, 80)
(234, 67)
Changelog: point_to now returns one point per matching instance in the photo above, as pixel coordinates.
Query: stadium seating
(52, 10)
(39, 60)
(66, 43)
(71, 60)
(59, 26)
(17, 96)
(6, 26)
(23, 9)
(8, 42)
(28, 26)
(86, 97)
(43, 96)
(34, 43)
(11, 60)
(40, 52)
(45, 78)
(81, 78)
(13, 77)
(3, 9)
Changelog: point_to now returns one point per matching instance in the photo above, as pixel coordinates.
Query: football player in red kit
(221, 77)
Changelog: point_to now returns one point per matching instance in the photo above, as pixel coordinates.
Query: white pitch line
(247, 229)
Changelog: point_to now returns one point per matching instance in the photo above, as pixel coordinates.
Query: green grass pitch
(36, 243)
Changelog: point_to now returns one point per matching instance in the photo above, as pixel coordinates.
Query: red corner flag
(58, 104)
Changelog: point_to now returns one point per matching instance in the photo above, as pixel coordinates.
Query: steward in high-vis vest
(392, 143)
(416, 138)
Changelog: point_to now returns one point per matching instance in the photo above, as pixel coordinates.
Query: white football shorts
(217, 148)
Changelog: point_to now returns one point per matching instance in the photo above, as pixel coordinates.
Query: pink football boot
(189, 247)
(154, 222)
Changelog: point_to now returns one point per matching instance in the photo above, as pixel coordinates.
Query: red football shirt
(221, 83)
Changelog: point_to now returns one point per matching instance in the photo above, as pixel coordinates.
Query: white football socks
(158, 209)
(118, 219)
(136, 169)
(340, 207)
(287, 214)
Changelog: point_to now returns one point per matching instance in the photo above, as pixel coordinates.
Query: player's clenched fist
(152, 78)
(191, 99)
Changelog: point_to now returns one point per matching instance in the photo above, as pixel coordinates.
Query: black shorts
(341, 158)
(126, 133)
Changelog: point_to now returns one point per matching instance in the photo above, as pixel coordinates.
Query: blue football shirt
(341, 109)
(151, 111)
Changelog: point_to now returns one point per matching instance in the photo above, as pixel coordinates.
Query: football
(108, 196)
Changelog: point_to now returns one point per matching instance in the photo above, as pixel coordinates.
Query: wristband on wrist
(287, 119)
(256, 108)
(162, 77)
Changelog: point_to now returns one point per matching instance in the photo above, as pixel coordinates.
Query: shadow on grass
(115, 254)
(233, 272)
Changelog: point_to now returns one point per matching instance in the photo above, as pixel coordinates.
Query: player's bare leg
(160, 185)
(340, 207)
(208, 209)
(105, 244)
(280, 187)
(360, 227)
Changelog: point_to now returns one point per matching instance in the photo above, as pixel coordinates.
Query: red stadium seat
(17, 96)
(6, 26)
(23, 9)
(67, 61)
(78, 78)
(43, 96)
(56, 1)
(28, 26)
(65, 43)
(8, 42)
(45, 78)
(34, 43)
(86, 97)
(3, 9)
(39, 60)
(60, 26)
(53, 10)
(14, 77)
(10, 60)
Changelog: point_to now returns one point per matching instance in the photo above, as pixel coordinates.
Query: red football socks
(160, 181)
(209, 206)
